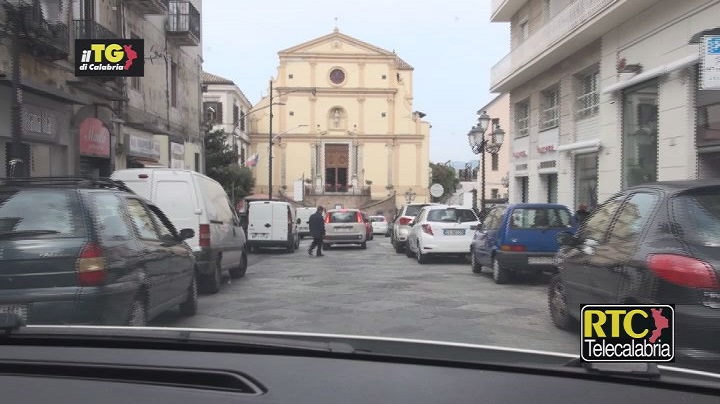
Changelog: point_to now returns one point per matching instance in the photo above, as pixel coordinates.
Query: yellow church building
(344, 131)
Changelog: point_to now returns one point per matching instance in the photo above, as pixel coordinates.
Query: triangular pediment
(335, 43)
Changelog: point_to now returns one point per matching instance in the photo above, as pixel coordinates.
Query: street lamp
(410, 196)
(270, 135)
(480, 144)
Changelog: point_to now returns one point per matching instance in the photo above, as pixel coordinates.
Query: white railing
(559, 27)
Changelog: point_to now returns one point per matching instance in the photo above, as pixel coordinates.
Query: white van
(304, 215)
(272, 224)
(192, 200)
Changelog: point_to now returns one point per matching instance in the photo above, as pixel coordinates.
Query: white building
(229, 106)
(604, 96)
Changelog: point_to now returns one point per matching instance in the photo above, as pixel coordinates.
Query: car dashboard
(72, 374)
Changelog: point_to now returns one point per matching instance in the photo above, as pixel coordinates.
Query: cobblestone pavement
(377, 292)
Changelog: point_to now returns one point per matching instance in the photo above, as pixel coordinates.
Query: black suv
(76, 250)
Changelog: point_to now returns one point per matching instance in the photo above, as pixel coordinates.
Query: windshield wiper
(20, 233)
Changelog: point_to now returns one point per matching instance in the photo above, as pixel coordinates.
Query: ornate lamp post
(480, 144)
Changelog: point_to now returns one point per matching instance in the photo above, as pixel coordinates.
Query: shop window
(640, 133)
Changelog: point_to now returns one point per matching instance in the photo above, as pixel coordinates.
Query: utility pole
(270, 146)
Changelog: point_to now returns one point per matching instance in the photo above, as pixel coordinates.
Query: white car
(379, 224)
(441, 230)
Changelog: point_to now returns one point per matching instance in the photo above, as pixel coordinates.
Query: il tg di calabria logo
(110, 58)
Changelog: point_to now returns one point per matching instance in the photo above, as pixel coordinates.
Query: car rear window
(698, 217)
(540, 218)
(56, 210)
(377, 218)
(413, 210)
(343, 217)
(451, 215)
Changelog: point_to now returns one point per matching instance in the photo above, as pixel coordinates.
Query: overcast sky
(451, 44)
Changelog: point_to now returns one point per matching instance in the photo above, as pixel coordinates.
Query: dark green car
(83, 251)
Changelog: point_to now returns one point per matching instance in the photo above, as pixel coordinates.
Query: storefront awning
(652, 73)
(588, 146)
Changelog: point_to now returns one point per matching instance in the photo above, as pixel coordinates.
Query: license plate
(260, 235)
(343, 230)
(454, 232)
(541, 260)
(17, 309)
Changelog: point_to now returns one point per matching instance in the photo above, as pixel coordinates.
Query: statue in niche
(336, 118)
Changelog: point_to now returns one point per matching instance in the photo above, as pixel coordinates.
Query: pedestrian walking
(581, 214)
(317, 231)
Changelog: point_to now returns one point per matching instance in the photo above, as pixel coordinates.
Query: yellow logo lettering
(594, 320)
(627, 323)
(97, 49)
(114, 53)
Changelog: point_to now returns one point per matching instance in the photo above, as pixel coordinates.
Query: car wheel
(190, 306)
(421, 258)
(409, 252)
(500, 275)
(210, 283)
(137, 313)
(557, 304)
(363, 246)
(291, 245)
(239, 271)
(476, 267)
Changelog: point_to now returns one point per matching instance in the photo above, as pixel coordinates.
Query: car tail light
(327, 218)
(90, 265)
(404, 221)
(683, 271)
(427, 229)
(513, 248)
(204, 235)
(359, 218)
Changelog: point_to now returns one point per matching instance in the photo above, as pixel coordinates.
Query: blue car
(520, 238)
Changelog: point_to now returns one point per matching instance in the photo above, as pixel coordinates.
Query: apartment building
(228, 106)
(93, 125)
(604, 95)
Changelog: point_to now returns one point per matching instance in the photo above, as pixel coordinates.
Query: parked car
(304, 215)
(345, 226)
(651, 244)
(520, 238)
(368, 226)
(82, 251)
(272, 224)
(441, 230)
(400, 228)
(379, 225)
(195, 201)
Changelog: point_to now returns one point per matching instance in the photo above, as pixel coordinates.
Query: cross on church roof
(336, 25)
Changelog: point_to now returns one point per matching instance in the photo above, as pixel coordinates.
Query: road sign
(437, 190)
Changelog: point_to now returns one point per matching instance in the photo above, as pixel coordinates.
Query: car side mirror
(299, 221)
(186, 234)
(567, 239)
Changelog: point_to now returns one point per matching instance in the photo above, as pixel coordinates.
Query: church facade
(343, 126)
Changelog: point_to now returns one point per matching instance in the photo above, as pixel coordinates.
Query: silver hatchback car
(345, 226)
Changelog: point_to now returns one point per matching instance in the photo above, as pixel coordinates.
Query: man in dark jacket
(582, 214)
(317, 231)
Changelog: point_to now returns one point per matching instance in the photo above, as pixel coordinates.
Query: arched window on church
(337, 119)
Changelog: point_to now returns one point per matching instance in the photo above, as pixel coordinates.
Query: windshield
(472, 172)
(451, 215)
(533, 218)
(56, 212)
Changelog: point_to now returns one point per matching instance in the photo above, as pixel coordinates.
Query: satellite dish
(437, 190)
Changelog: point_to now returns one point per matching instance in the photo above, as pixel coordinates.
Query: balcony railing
(89, 29)
(42, 37)
(183, 23)
(150, 6)
(337, 189)
(560, 27)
